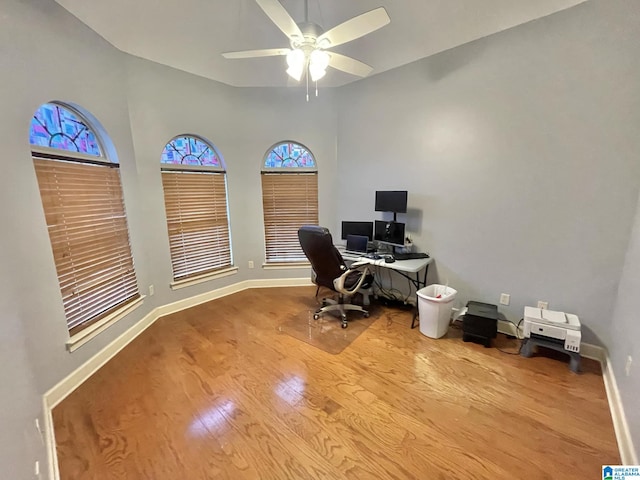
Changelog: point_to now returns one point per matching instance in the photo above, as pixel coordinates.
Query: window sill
(82, 337)
(285, 265)
(187, 282)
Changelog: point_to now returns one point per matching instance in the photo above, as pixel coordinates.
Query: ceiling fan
(309, 43)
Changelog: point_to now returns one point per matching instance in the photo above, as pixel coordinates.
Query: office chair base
(329, 305)
(366, 297)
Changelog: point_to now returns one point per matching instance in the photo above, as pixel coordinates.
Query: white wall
(520, 155)
(20, 403)
(65, 61)
(46, 54)
(155, 103)
(626, 332)
(243, 124)
(519, 152)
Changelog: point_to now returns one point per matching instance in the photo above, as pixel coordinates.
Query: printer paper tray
(548, 339)
(547, 331)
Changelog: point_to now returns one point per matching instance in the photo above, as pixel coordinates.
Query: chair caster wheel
(344, 324)
(366, 314)
(316, 316)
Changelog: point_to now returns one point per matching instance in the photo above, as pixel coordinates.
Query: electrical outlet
(250, 263)
(543, 305)
(36, 469)
(627, 367)
(505, 298)
(152, 290)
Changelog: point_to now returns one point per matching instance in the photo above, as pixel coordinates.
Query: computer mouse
(389, 259)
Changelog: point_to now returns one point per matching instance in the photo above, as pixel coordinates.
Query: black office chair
(329, 270)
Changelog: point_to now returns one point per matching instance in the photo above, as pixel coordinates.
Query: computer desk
(409, 269)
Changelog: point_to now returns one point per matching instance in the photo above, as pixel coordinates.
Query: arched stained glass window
(289, 155)
(289, 200)
(195, 198)
(55, 126)
(190, 150)
(84, 209)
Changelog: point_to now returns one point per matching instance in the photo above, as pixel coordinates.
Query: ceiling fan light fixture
(295, 73)
(318, 63)
(319, 58)
(296, 61)
(316, 73)
(308, 42)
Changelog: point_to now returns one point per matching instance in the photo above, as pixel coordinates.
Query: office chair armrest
(338, 283)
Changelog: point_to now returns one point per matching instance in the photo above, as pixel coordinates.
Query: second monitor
(357, 228)
(391, 201)
(391, 233)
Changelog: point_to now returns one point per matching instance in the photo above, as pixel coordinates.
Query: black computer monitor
(364, 229)
(391, 201)
(390, 233)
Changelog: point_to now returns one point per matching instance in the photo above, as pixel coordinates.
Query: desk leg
(424, 280)
(418, 284)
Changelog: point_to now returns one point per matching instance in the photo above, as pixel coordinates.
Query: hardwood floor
(217, 391)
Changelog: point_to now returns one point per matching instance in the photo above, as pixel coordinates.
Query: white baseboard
(67, 385)
(280, 282)
(228, 290)
(61, 390)
(628, 454)
(201, 298)
(507, 328)
(72, 381)
(627, 451)
(593, 352)
(50, 441)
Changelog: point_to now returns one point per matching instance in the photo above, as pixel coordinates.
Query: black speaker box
(480, 323)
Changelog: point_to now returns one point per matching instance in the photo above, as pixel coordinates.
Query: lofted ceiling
(191, 35)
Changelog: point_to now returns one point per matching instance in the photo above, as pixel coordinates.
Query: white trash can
(434, 305)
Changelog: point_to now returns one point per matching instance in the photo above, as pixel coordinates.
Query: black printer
(480, 323)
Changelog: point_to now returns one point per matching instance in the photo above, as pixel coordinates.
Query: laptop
(357, 244)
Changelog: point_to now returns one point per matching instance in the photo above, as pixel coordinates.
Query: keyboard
(410, 255)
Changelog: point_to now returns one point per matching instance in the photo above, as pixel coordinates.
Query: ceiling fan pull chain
(316, 88)
(307, 77)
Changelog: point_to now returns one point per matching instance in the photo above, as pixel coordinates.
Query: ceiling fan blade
(278, 15)
(356, 27)
(268, 52)
(349, 65)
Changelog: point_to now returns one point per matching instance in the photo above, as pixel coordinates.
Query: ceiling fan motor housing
(310, 33)
(309, 42)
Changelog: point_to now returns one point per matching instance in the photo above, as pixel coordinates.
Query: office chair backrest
(326, 261)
